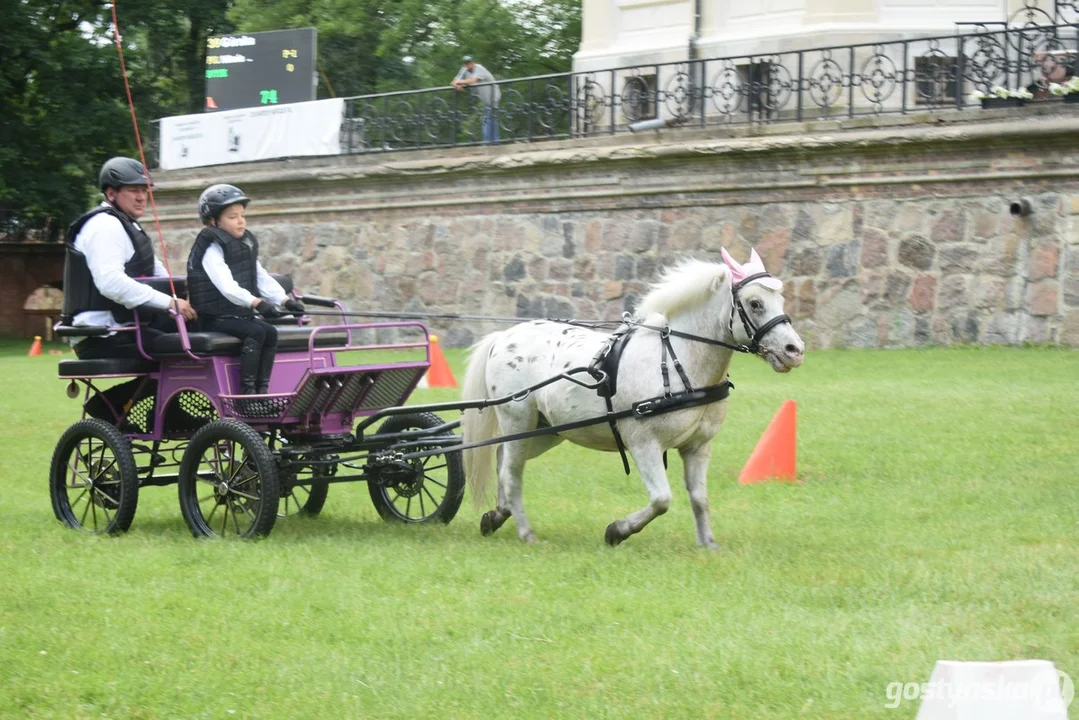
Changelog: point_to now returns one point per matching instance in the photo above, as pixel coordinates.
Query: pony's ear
(737, 272)
(754, 258)
(731, 262)
(717, 281)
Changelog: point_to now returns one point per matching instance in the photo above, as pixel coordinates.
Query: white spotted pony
(711, 309)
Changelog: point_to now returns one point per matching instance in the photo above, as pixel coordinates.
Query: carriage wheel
(307, 494)
(228, 482)
(417, 491)
(93, 480)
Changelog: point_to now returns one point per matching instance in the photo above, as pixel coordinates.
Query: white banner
(260, 133)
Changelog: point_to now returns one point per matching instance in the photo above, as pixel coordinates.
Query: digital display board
(260, 68)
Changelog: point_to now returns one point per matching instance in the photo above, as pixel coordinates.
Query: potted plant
(1068, 91)
(1000, 96)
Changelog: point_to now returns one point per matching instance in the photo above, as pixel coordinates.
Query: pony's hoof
(488, 523)
(530, 538)
(613, 536)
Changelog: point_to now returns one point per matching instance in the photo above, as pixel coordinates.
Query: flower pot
(997, 102)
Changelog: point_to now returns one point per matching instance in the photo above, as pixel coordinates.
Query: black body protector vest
(80, 293)
(241, 255)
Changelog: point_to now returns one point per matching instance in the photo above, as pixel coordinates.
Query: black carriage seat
(289, 339)
(99, 366)
(105, 366)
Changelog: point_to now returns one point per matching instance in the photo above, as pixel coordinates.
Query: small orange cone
(775, 457)
(35, 349)
(439, 374)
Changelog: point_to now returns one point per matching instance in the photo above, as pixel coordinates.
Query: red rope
(142, 155)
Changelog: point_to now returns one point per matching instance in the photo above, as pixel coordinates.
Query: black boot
(249, 367)
(262, 383)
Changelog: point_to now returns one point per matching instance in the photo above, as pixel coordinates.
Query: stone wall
(886, 232)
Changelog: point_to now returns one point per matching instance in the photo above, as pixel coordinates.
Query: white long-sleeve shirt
(107, 248)
(213, 262)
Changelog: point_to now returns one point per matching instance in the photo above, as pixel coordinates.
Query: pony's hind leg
(511, 463)
(494, 519)
(695, 460)
(654, 476)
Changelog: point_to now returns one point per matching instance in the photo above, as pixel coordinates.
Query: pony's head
(758, 317)
(743, 305)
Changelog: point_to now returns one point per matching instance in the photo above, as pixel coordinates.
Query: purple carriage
(241, 462)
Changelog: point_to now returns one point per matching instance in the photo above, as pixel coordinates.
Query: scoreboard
(260, 68)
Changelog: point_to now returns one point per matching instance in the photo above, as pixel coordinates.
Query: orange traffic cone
(774, 458)
(35, 349)
(439, 374)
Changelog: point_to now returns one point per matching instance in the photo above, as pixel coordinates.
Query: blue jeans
(490, 124)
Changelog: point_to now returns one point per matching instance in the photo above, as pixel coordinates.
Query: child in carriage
(231, 290)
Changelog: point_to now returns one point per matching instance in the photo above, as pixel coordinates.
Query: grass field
(937, 517)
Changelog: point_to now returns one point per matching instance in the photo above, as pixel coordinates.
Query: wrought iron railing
(822, 83)
(1031, 50)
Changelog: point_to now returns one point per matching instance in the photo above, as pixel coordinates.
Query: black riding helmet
(120, 171)
(216, 198)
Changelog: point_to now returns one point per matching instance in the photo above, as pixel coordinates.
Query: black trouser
(259, 348)
(123, 345)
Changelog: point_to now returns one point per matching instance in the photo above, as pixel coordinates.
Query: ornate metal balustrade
(1031, 50)
(824, 83)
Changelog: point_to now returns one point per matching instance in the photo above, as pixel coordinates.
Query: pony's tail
(479, 425)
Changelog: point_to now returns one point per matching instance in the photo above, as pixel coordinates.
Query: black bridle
(754, 333)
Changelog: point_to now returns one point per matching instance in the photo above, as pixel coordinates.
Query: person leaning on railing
(472, 73)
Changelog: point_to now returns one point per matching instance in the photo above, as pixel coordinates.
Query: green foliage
(63, 108)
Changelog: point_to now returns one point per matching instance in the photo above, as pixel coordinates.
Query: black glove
(268, 310)
(295, 307)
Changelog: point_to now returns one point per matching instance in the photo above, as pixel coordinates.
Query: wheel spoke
(408, 506)
(423, 511)
(102, 470)
(238, 469)
(104, 507)
(433, 467)
(89, 503)
(433, 501)
(245, 495)
(211, 515)
(436, 482)
(236, 522)
(75, 502)
(93, 512)
(204, 499)
(225, 517)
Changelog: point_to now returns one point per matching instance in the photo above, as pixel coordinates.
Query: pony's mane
(687, 283)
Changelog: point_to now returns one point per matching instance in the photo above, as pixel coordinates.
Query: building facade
(619, 33)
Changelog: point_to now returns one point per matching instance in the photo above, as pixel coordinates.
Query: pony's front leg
(695, 460)
(654, 475)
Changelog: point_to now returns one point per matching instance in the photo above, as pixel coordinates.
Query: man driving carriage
(106, 250)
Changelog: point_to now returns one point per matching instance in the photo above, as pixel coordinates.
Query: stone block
(874, 248)
(955, 259)
(916, 252)
(1043, 261)
(923, 293)
(1043, 298)
(805, 261)
(842, 260)
(948, 227)
(836, 224)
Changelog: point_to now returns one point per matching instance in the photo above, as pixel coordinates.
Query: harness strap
(639, 411)
(668, 348)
